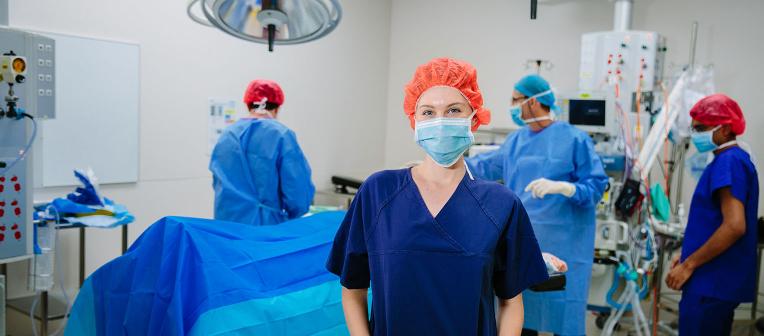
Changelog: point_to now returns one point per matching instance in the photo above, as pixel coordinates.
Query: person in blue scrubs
(553, 168)
(259, 173)
(436, 245)
(717, 268)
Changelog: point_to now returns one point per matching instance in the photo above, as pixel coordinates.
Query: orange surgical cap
(449, 72)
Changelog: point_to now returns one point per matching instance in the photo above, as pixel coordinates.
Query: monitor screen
(587, 112)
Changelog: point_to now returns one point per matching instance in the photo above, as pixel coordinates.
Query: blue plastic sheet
(205, 277)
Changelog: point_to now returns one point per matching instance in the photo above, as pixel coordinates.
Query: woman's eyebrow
(430, 106)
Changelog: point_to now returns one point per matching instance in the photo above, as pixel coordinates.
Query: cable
(26, 148)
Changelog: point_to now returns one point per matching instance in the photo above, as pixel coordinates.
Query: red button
(2, 178)
(2, 203)
(2, 237)
(14, 179)
(15, 227)
(2, 188)
(15, 203)
(17, 211)
(17, 235)
(2, 212)
(17, 187)
(2, 228)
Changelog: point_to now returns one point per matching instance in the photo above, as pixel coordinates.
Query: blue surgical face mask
(517, 115)
(704, 141)
(516, 112)
(445, 139)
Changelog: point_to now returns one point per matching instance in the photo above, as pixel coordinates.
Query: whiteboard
(97, 113)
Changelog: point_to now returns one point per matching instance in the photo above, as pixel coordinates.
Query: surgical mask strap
(536, 96)
(261, 108)
(711, 131)
(472, 116)
(532, 120)
(466, 166)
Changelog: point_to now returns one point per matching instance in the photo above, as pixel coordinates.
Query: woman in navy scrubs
(436, 245)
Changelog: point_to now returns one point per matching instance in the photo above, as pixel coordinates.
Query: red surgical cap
(718, 109)
(263, 88)
(446, 72)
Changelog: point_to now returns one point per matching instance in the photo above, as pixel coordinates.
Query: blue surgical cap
(532, 85)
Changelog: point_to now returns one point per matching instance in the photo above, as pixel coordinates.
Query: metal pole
(693, 43)
(44, 315)
(82, 256)
(682, 148)
(4, 10)
(124, 238)
(622, 15)
(754, 305)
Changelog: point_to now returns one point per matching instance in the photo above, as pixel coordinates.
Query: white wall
(729, 37)
(497, 37)
(330, 85)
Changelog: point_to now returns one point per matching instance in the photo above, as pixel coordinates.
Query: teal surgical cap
(532, 85)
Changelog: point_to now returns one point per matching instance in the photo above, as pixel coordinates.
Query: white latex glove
(556, 264)
(542, 187)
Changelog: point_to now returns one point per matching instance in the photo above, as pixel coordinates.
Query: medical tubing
(636, 316)
(59, 273)
(612, 320)
(26, 149)
(31, 316)
(645, 288)
(611, 291)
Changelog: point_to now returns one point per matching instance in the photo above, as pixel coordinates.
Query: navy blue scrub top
(435, 276)
(731, 276)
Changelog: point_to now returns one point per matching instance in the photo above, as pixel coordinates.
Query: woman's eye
(454, 110)
(427, 113)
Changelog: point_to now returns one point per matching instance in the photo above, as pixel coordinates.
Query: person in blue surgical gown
(260, 174)
(553, 168)
(436, 245)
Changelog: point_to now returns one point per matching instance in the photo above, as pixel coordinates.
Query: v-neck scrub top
(435, 275)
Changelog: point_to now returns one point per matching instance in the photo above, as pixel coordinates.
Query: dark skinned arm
(733, 227)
